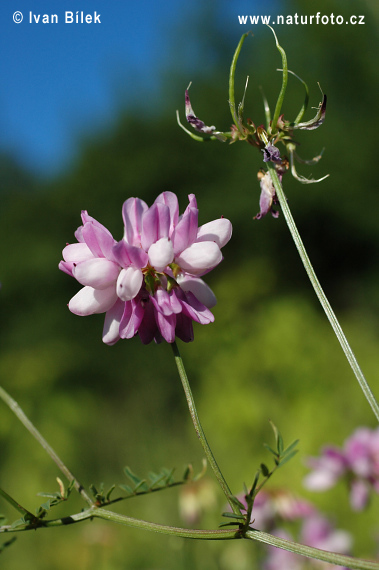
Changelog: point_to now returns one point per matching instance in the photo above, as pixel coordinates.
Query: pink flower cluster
(272, 509)
(357, 461)
(149, 283)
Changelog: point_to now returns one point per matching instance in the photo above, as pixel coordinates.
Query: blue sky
(61, 80)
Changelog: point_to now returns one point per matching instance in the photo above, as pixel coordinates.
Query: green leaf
(141, 487)
(236, 502)
(127, 489)
(280, 444)
(229, 515)
(168, 475)
(265, 470)
(227, 524)
(136, 480)
(270, 449)
(49, 495)
(108, 495)
(287, 458)
(278, 437)
(188, 473)
(290, 447)
(255, 483)
(18, 522)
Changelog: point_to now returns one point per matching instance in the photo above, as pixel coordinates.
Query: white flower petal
(112, 323)
(161, 253)
(199, 288)
(89, 301)
(199, 257)
(129, 283)
(76, 252)
(98, 273)
(219, 231)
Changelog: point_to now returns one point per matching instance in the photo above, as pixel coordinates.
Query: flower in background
(316, 531)
(357, 461)
(149, 283)
(279, 507)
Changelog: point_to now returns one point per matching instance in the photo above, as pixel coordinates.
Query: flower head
(358, 461)
(150, 281)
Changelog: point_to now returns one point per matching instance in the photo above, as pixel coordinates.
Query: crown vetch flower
(150, 281)
(358, 461)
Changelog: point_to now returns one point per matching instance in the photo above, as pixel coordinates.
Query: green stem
(15, 504)
(280, 100)
(232, 102)
(216, 534)
(13, 405)
(199, 430)
(310, 552)
(320, 293)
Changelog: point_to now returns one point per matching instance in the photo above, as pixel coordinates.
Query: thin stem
(199, 430)
(15, 504)
(320, 293)
(232, 102)
(13, 405)
(214, 534)
(310, 552)
(283, 88)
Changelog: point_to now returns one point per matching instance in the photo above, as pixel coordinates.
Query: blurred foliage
(269, 354)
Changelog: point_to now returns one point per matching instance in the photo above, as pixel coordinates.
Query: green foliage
(7, 543)
(269, 353)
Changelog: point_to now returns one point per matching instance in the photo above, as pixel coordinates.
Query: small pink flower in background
(316, 531)
(327, 469)
(358, 461)
(149, 282)
(277, 504)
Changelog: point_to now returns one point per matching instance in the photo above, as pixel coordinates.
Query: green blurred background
(270, 353)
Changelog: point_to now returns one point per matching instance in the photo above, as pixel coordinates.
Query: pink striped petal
(195, 310)
(199, 288)
(89, 301)
(170, 199)
(155, 224)
(126, 255)
(132, 213)
(185, 232)
(98, 239)
(166, 325)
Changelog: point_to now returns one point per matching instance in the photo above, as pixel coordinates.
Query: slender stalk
(283, 88)
(15, 504)
(199, 430)
(320, 293)
(13, 405)
(213, 534)
(310, 552)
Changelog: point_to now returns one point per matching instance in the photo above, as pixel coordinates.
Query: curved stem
(280, 100)
(13, 405)
(213, 534)
(320, 293)
(199, 430)
(310, 552)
